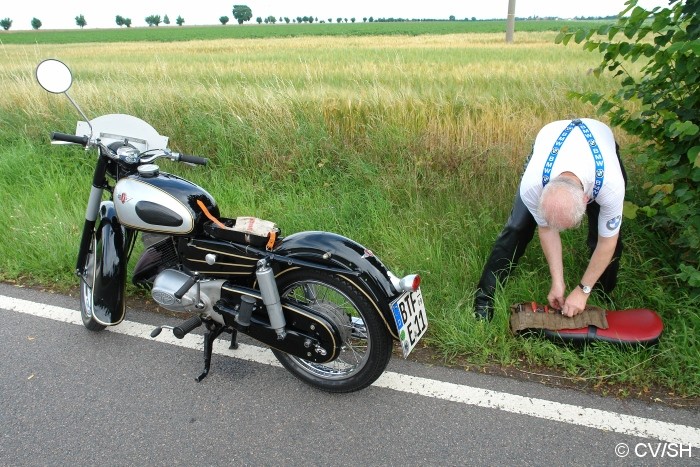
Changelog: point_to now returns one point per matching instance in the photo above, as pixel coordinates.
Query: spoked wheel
(86, 301)
(367, 344)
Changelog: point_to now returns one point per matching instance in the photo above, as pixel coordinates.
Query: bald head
(563, 202)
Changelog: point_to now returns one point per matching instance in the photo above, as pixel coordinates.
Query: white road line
(540, 408)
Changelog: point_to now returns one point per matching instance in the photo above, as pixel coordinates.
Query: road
(72, 397)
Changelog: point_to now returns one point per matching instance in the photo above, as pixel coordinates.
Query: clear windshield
(120, 127)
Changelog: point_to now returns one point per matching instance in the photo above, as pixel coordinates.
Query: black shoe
(483, 310)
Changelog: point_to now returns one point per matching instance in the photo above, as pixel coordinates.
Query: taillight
(410, 283)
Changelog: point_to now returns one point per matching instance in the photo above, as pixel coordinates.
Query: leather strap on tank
(271, 240)
(209, 215)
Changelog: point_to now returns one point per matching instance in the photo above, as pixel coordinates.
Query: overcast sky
(100, 14)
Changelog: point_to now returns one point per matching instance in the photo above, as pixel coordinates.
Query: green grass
(411, 145)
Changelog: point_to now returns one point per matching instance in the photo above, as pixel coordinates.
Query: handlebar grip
(82, 140)
(193, 159)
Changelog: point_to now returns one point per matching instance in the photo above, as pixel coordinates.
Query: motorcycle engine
(169, 281)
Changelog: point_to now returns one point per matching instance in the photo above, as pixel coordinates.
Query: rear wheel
(366, 343)
(86, 301)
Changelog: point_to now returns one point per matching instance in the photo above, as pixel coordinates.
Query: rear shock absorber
(271, 297)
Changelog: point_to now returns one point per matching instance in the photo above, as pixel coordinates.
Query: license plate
(411, 320)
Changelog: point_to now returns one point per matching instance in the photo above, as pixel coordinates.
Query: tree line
(243, 13)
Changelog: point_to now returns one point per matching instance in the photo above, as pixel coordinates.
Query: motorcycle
(326, 306)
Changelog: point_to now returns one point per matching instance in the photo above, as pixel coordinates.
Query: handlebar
(66, 138)
(145, 159)
(192, 159)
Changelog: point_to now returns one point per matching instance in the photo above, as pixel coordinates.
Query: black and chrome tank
(155, 201)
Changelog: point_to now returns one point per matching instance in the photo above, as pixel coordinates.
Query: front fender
(365, 270)
(110, 256)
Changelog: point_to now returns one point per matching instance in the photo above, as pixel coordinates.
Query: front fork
(93, 208)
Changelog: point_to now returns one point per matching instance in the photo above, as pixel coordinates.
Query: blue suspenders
(595, 150)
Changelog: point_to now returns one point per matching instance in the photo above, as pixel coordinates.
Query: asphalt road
(72, 397)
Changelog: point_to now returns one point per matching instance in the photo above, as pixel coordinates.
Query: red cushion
(638, 325)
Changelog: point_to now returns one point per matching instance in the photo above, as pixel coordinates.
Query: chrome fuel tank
(162, 203)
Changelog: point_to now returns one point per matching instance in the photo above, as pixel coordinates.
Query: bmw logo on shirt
(614, 222)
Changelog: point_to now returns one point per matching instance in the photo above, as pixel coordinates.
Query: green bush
(660, 105)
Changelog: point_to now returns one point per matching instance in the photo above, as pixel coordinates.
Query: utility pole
(510, 21)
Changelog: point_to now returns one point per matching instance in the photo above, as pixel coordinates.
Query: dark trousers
(517, 234)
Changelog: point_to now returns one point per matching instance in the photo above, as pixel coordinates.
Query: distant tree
(452, 17)
(223, 20)
(364, 20)
(259, 19)
(127, 22)
(299, 19)
(119, 20)
(242, 13)
(166, 20)
(80, 21)
(179, 20)
(36, 23)
(371, 19)
(286, 19)
(153, 20)
(6, 23)
(352, 19)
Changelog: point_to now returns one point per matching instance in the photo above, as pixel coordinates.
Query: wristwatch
(586, 288)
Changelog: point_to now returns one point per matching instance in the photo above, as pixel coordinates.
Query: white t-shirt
(575, 156)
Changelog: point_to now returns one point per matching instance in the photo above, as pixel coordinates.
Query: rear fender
(110, 255)
(365, 271)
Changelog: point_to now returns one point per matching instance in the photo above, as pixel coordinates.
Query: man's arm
(602, 255)
(551, 246)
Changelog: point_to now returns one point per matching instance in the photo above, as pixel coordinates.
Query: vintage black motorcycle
(326, 306)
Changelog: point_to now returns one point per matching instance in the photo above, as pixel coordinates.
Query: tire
(367, 344)
(86, 281)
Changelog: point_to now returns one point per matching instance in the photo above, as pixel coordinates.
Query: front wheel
(367, 344)
(87, 280)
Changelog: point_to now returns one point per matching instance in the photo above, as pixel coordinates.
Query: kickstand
(209, 338)
(234, 340)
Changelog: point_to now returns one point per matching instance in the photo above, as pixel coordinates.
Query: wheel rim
(344, 313)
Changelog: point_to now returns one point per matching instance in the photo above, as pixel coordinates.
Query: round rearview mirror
(54, 76)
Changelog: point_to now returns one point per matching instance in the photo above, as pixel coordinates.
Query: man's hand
(556, 296)
(575, 303)
(551, 246)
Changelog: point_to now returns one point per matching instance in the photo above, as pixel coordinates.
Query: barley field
(410, 144)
